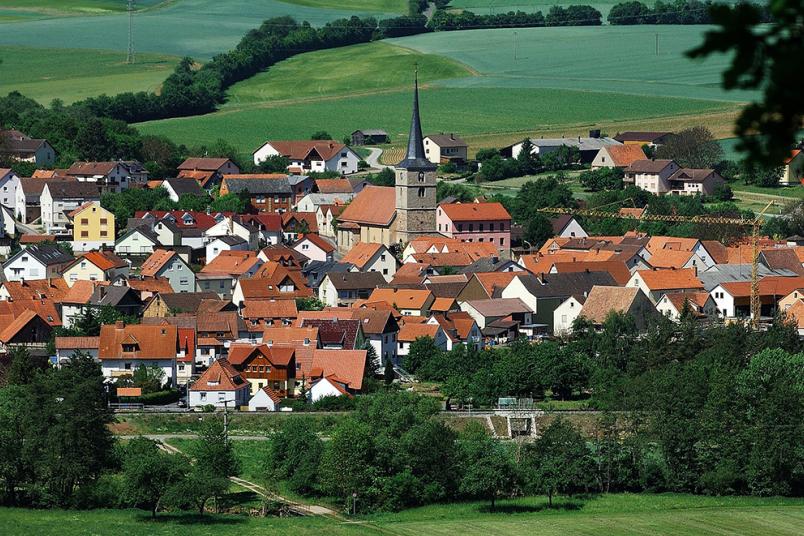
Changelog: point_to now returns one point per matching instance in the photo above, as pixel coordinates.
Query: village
(323, 282)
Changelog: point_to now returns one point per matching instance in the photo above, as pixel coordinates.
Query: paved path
(373, 159)
(165, 437)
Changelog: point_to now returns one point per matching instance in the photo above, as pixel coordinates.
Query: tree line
(678, 12)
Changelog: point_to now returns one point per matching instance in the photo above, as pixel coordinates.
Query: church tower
(415, 183)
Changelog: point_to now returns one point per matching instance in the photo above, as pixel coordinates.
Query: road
(373, 159)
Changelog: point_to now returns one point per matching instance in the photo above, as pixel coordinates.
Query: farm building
(370, 136)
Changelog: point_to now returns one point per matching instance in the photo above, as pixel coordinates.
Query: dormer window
(307, 341)
(130, 347)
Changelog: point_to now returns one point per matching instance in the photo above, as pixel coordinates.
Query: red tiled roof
(220, 376)
(36, 289)
(158, 259)
(348, 365)
(269, 309)
(103, 259)
(401, 298)
(778, 286)
(77, 343)
(334, 186)
(204, 164)
(361, 253)
(475, 211)
(232, 262)
(411, 332)
(625, 155)
(374, 205)
(301, 149)
(17, 324)
(326, 246)
(152, 342)
(670, 279)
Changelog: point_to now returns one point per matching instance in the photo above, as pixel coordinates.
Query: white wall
(564, 315)
(113, 368)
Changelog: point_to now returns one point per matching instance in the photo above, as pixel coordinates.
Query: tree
(294, 455)
(694, 147)
(602, 179)
(14, 467)
(215, 462)
(198, 203)
(148, 377)
(348, 464)
(764, 55)
(388, 373)
(233, 202)
(275, 164)
(25, 367)
(150, 474)
(761, 176)
(528, 160)
(320, 135)
(627, 13)
(537, 230)
(486, 467)
(309, 304)
(557, 462)
(422, 350)
(385, 177)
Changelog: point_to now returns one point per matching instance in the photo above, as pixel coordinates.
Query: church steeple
(415, 157)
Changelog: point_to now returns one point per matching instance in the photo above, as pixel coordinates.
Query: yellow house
(93, 227)
(793, 168)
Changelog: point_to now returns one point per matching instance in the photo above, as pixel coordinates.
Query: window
(127, 366)
(502, 241)
(460, 227)
(471, 227)
(421, 176)
(104, 221)
(183, 282)
(480, 227)
(83, 265)
(104, 233)
(84, 221)
(382, 257)
(480, 239)
(563, 319)
(203, 396)
(385, 271)
(421, 192)
(84, 234)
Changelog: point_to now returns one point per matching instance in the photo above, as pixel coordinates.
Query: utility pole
(516, 44)
(130, 57)
(226, 418)
(657, 43)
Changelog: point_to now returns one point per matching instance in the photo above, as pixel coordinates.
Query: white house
(123, 348)
(225, 243)
(9, 182)
(62, 197)
(372, 257)
(266, 399)
(107, 176)
(700, 303)
(324, 387)
(228, 226)
(179, 187)
(565, 314)
(312, 202)
(314, 248)
(441, 148)
(17, 146)
(408, 334)
(28, 203)
(40, 261)
(566, 226)
(137, 241)
(220, 386)
(311, 155)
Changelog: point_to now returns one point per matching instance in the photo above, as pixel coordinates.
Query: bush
(334, 403)
(160, 398)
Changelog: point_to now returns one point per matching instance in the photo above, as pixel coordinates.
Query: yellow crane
(755, 224)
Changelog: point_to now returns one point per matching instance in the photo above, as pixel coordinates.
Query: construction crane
(754, 223)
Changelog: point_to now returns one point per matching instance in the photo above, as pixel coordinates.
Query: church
(397, 215)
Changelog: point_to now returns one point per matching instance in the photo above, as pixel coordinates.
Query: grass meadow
(74, 74)
(612, 515)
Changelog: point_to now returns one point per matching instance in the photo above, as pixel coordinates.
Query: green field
(612, 515)
(16, 10)
(383, 6)
(74, 74)
(357, 69)
(494, 7)
(197, 28)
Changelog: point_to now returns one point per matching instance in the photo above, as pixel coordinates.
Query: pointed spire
(415, 157)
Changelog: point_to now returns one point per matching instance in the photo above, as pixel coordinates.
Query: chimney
(119, 324)
(452, 136)
(22, 281)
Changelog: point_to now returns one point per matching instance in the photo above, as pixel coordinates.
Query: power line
(130, 57)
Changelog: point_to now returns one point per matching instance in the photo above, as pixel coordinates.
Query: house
(405, 300)
(267, 192)
(617, 269)
(370, 257)
(700, 304)
(138, 241)
(178, 187)
(344, 288)
(36, 289)
(651, 175)
(380, 329)
(733, 298)
(326, 216)
(268, 225)
(66, 347)
(168, 264)
(14, 145)
(348, 366)
(301, 185)
(656, 283)
(311, 155)
(687, 181)
(96, 266)
(368, 218)
(485, 285)
(629, 301)
(208, 172)
(543, 293)
(314, 248)
(370, 136)
(122, 348)
(312, 201)
(793, 168)
(587, 147)
(175, 303)
(124, 299)
(9, 182)
(266, 399)
(334, 186)
(443, 148)
(476, 222)
(670, 258)
(28, 329)
(565, 314)
(408, 334)
(104, 176)
(28, 204)
(59, 198)
(42, 261)
(489, 313)
(640, 138)
(296, 223)
(566, 226)
(657, 244)
(618, 156)
(262, 366)
(335, 333)
(459, 328)
(314, 272)
(220, 275)
(225, 243)
(268, 313)
(221, 385)
(324, 387)
(272, 281)
(93, 227)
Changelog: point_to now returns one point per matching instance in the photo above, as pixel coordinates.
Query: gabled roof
(268, 287)
(670, 279)
(73, 190)
(646, 136)
(768, 286)
(475, 211)
(255, 185)
(232, 262)
(36, 289)
(347, 365)
(565, 284)
(45, 308)
(499, 307)
(185, 302)
(268, 309)
(374, 205)
(670, 258)
(220, 376)
(152, 342)
(226, 322)
(617, 269)
(624, 155)
(241, 353)
(316, 240)
(46, 254)
(16, 325)
(183, 186)
(781, 259)
(411, 332)
(716, 250)
(334, 186)
(453, 259)
(304, 149)
(158, 259)
(494, 282)
(91, 168)
(649, 166)
(105, 260)
(691, 175)
(447, 140)
(657, 243)
(203, 164)
(115, 296)
(77, 343)
(602, 300)
(362, 252)
(402, 298)
(335, 330)
(356, 280)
